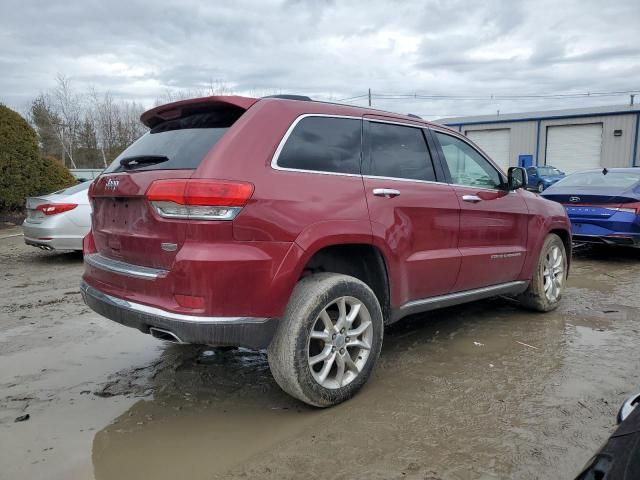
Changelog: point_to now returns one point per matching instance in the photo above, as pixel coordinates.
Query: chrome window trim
(283, 141)
(378, 177)
(122, 268)
(276, 155)
(402, 124)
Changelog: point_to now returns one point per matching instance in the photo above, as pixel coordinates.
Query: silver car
(58, 221)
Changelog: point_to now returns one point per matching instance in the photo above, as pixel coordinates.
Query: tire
(536, 297)
(540, 187)
(315, 299)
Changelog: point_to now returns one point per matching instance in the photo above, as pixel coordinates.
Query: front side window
(400, 152)
(466, 165)
(324, 144)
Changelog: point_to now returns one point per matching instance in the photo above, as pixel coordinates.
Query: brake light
(55, 208)
(633, 207)
(89, 244)
(199, 199)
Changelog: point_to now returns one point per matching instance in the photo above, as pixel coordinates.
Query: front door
(414, 211)
(493, 221)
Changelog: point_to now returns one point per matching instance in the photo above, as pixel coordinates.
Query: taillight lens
(199, 199)
(633, 207)
(91, 189)
(55, 208)
(88, 244)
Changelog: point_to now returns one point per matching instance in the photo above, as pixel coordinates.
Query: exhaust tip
(165, 335)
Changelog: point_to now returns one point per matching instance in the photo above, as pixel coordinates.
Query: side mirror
(517, 178)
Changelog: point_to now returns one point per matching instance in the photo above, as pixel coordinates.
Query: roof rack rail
(413, 115)
(303, 98)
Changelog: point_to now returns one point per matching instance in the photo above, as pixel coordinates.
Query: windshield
(548, 171)
(621, 180)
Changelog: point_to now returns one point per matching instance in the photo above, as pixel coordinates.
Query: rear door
(411, 207)
(125, 225)
(493, 222)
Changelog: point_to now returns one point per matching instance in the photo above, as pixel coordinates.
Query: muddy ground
(455, 395)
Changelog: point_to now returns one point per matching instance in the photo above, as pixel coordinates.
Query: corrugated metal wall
(523, 137)
(616, 151)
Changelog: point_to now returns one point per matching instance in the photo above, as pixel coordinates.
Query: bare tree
(68, 107)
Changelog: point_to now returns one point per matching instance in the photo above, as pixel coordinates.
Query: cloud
(327, 49)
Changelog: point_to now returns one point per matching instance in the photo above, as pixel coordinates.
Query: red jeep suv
(304, 228)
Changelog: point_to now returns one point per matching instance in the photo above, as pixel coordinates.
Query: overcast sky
(327, 49)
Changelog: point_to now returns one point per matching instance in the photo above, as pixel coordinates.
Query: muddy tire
(549, 277)
(328, 341)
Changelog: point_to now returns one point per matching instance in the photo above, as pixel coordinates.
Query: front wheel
(328, 341)
(547, 284)
(540, 187)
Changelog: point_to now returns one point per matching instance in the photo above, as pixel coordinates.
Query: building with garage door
(570, 140)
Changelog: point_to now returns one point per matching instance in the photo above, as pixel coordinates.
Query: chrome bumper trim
(250, 332)
(157, 312)
(122, 268)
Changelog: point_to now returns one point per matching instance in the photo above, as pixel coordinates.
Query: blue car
(603, 205)
(542, 177)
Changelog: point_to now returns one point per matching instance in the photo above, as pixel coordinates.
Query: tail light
(199, 199)
(633, 207)
(55, 208)
(92, 187)
(89, 244)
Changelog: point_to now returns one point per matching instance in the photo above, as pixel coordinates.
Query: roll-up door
(574, 147)
(495, 143)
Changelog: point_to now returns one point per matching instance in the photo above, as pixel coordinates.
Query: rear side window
(177, 144)
(399, 152)
(324, 144)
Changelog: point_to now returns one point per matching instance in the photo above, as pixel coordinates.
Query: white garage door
(574, 147)
(495, 143)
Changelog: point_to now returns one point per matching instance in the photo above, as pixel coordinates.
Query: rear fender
(312, 239)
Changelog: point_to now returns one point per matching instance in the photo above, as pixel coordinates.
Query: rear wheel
(546, 287)
(328, 341)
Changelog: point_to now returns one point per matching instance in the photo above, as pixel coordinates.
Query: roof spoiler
(173, 110)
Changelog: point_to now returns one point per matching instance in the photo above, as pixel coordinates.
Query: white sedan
(58, 221)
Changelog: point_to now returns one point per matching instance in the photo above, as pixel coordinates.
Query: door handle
(471, 198)
(386, 192)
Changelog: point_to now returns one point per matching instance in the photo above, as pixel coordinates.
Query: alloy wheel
(340, 342)
(553, 273)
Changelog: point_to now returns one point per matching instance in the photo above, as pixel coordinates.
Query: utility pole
(369, 97)
(631, 101)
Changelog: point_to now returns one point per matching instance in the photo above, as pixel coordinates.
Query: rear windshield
(75, 189)
(549, 171)
(176, 144)
(622, 180)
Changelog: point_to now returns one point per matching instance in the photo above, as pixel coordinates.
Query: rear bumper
(614, 240)
(250, 332)
(50, 237)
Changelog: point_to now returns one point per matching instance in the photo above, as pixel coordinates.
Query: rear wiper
(132, 162)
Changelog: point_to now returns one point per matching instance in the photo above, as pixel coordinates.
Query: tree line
(84, 129)
(88, 129)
